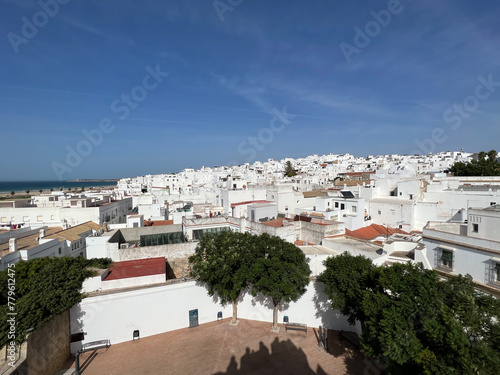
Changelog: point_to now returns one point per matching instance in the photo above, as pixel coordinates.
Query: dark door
(193, 318)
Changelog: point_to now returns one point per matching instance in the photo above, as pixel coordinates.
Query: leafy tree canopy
(289, 171)
(222, 261)
(280, 271)
(44, 287)
(486, 164)
(415, 322)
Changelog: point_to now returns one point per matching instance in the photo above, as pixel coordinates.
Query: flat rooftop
(354, 246)
(317, 250)
(218, 348)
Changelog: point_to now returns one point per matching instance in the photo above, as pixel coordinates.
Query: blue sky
(230, 71)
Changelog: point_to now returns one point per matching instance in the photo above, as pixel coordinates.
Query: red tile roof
(373, 231)
(274, 223)
(156, 223)
(249, 202)
(303, 243)
(136, 268)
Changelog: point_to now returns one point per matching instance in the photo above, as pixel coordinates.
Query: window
(353, 208)
(39, 218)
(26, 219)
(497, 272)
(380, 212)
(4, 219)
(60, 251)
(342, 206)
(447, 258)
(51, 217)
(336, 204)
(475, 228)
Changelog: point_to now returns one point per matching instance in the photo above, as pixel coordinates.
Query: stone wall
(47, 348)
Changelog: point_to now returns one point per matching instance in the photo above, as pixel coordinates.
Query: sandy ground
(219, 348)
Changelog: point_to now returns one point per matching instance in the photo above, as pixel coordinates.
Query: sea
(34, 186)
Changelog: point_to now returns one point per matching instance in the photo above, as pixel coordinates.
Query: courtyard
(218, 348)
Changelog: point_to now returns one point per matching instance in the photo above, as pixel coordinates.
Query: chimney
(12, 245)
(42, 233)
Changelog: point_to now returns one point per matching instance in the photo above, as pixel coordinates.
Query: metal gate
(193, 318)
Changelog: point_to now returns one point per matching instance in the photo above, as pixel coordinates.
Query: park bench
(296, 327)
(100, 344)
(352, 337)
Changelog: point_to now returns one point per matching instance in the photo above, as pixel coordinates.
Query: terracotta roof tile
(373, 231)
(136, 268)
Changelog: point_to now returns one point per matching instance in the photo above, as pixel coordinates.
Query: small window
(493, 203)
(80, 336)
(380, 212)
(354, 208)
(475, 228)
(497, 272)
(39, 218)
(12, 218)
(447, 258)
(26, 219)
(336, 204)
(342, 206)
(4, 219)
(60, 251)
(52, 217)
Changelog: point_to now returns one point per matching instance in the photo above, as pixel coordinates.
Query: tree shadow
(355, 361)
(282, 358)
(267, 302)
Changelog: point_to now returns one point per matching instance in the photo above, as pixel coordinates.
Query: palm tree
(51, 190)
(83, 189)
(40, 191)
(27, 191)
(12, 193)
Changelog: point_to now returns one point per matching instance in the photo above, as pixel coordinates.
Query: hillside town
(390, 209)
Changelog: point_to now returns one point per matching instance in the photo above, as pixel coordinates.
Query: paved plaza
(219, 348)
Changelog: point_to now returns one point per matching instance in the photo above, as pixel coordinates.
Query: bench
(94, 345)
(296, 327)
(352, 337)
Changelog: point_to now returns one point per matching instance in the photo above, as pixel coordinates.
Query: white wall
(133, 281)
(166, 308)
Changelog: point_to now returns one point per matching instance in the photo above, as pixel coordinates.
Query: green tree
(289, 171)
(415, 322)
(486, 164)
(12, 193)
(222, 262)
(27, 191)
(280, 271)
(44, 287)
(40, 191)
(83, 189)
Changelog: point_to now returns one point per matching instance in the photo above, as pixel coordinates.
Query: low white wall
(166, 308)
(133, 281)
